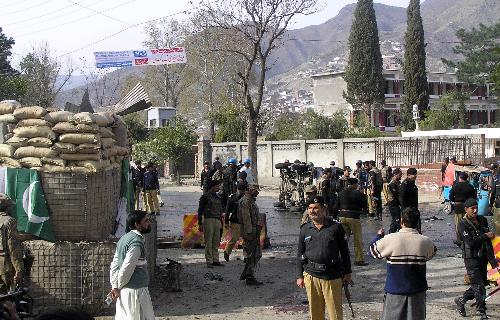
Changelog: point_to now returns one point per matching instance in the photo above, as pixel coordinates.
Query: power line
(98, 12)
(73, 21)
(24, 9)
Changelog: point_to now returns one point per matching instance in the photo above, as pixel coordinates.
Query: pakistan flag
(31, 210)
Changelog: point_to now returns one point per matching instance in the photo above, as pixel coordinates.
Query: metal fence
(429, 152)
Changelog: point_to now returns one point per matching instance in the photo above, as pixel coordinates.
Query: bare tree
(260, 27)
(45, 76)
(102, 85)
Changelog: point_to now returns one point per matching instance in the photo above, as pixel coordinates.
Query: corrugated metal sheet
(136, 100)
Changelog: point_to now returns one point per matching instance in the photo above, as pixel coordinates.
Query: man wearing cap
(220, 176)
(248, 169)
(407, 253)
(477, 251)
(209, 221)
(323, 185)
(408, 193)
(311, 192)
(342, 182)
(251, 225)
(393, 190)
(461, 191)
(231, 217)
(323, 263)
(11, 253)
(151, 188)
(348, 207)
(231, 174)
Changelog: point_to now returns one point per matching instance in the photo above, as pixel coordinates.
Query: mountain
(322, 47)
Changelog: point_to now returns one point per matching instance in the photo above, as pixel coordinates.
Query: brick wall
(428, 183)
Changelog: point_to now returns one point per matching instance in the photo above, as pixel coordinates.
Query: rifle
(348, 296)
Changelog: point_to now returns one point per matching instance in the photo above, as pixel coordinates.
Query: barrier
(493, 274)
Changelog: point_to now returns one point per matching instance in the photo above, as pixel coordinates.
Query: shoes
(217, 264)
(361, 263)
(251, 281)
(210, 265)
(162, 204)
(484, 316)
(226, 256)
(461, 306)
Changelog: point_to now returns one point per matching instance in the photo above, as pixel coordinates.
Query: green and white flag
(31, 210)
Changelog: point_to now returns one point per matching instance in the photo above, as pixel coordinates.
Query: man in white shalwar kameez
(129, 273)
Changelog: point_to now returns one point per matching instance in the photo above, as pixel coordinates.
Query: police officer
(323, 262)
(251, 226)
(386, 172)
(220, 175)
(393, 190)
(231, 217)
(377, 183)
(342, 182)
(11, 254)
(209, 221)
(311, 193)
(138, 181)
(205, 176)
(495, 196)
(477, 251)
(231, 174)
(348, 207)
(408, 195)
(461, 191)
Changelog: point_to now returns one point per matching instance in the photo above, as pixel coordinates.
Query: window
(153, 123)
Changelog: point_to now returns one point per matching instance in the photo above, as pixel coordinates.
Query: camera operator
(11, 253)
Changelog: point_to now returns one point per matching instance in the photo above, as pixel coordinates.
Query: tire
(278, 204)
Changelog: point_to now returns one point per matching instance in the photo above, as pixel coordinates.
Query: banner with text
(150, 57)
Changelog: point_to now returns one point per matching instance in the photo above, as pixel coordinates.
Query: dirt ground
(279, 298)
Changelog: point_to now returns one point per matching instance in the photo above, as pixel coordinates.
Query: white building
(159, 117)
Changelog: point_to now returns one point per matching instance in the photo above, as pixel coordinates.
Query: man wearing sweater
(129, 272)
(406, 252)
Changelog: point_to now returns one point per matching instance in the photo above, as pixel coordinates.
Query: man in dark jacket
(477, 251)
(408, 195)
(231, 217)
(205, 177)
(138, 181)
(323, 263)
(348, 207)
(151, 187)
(461, 191)
(209, 221)
(393, 191)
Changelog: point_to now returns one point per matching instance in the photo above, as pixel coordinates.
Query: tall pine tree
(364, 78)
(415, 87)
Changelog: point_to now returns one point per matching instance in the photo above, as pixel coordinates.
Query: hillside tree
(259, 26)
(102, 85)
(12, 86)
(414, 68)
(363, 75)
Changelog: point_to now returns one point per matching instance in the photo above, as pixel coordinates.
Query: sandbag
(9, 162)
(59, 116)
(54, 161)
(64, 127)
(7, 136)
(34, 123)
(106, 133)
(103, 119)
(54, 169)
(84, 117)
(24, 152)
(11, 127)
(109, 153)
(29, 113)
(8, 106)
(40, 142)
(32, 132)
(93, 166)
(84, 128)
(107, 142)
(6, 150)
(30, 162)
(9, 118)
(64, 147)
(88, 148)
(17, 142)
(79, 138)
(121, 151)
(80, 170)
(80, 156)
(52, 109)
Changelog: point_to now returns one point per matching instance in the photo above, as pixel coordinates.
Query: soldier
(342, 182)
(311, 192)
(386, 172)
(11, 253)
(249, 218)
(376, 188)
(221, 176)
(209, 221)
(348, 207)
(323, 262)
(461, 191)
(231, 218)
(393, 190)
(408, 195)
(477, 251)
(151, 187)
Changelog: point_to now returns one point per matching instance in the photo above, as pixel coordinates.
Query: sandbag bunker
(79, 158)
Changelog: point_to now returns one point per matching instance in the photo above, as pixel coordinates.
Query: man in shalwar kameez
(129, 273)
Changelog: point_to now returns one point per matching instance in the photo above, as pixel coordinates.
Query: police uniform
(376, 191)
(393, 190)
(310, 192)
(248, 216)
(323, 258)
(209, 216)
(408, 197)
(460, 192)
(11, 253)
(231, 220)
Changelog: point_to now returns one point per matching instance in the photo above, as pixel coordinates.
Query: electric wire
(98, 12)
(24, 9)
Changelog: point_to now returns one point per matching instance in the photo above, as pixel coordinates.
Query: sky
(74, 29)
